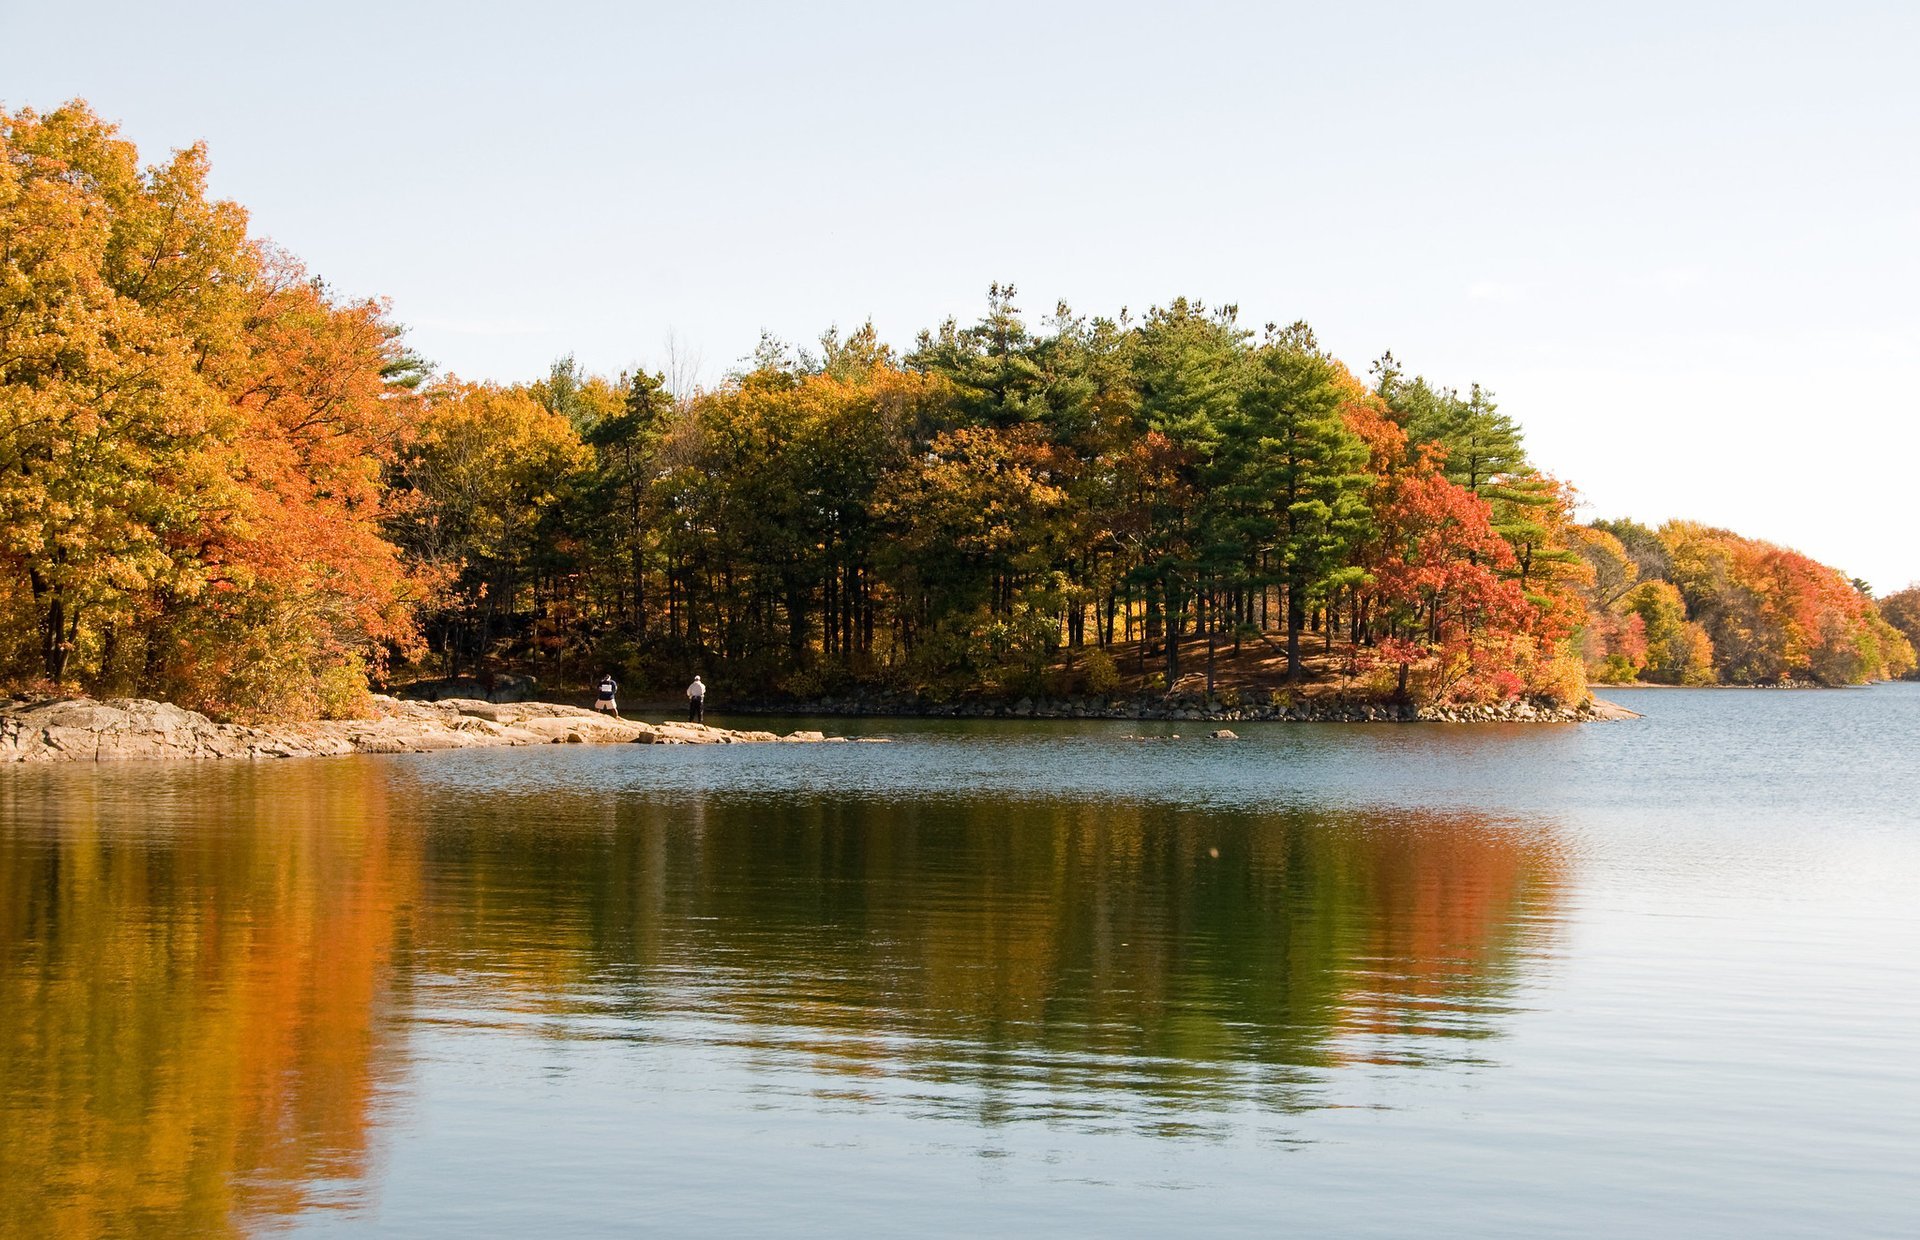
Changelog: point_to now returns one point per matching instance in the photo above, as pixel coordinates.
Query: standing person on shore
(605, 703)
(696, 701)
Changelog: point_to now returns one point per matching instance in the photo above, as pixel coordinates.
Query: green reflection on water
(210, 979)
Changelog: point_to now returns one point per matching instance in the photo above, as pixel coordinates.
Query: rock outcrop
(132, 729)
(83, 730)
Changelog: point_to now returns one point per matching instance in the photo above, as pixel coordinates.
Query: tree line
(1692, 605)
(993, 503)
(223, 484)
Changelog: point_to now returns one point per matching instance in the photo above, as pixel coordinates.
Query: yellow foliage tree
(191, 438)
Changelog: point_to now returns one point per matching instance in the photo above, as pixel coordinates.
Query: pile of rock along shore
(130, 729)
(1183, 707)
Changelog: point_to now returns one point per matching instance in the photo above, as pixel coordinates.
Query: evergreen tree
(1188, 366)
(624, 447)
(1294, 449)
(996, 376)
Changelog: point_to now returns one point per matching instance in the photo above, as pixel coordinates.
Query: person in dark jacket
(605, 703)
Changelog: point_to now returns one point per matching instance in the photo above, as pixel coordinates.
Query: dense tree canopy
(222, 483)
(974, 514)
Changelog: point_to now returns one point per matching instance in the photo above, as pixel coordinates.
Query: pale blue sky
(1680, 241)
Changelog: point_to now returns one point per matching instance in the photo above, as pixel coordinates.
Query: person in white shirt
(696, 700)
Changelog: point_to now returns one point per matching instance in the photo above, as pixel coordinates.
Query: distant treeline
(1690, 605)
(222, 484)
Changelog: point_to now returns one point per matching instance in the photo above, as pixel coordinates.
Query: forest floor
(1249, 683)
(1253, 673)
(1257, 669)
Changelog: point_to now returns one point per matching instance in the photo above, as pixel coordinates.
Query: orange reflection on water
(208, 978)
(191, 1025)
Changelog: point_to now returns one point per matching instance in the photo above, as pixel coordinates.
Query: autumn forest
(224, 484)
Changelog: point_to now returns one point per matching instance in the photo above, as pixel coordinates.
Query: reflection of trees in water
(191, 1022)
(1047, 951)
(194, 1017)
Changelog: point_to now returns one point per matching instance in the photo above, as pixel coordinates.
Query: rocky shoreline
(134, 729)
(1191, 708)
(34, 730)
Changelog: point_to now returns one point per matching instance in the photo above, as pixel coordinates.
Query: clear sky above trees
(1677, 240)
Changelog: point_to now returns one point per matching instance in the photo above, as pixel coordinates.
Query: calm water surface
(1655, 978)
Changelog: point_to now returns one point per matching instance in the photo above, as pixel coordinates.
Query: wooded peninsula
(224, 485)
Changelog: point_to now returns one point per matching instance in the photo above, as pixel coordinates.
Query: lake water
(1648, 978)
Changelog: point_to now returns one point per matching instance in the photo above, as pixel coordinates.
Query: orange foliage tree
(192, 435)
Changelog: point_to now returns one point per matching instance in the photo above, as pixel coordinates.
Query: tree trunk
(1172, 627)
(1213, 629)
(1296, 621)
